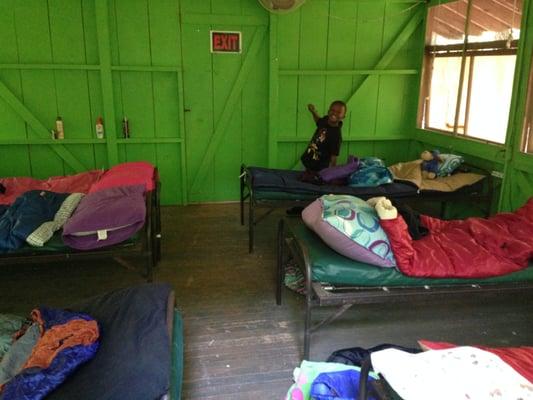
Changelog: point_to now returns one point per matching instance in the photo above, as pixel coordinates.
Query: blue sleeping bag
(25, 215)
(371, 172)
(338, 385)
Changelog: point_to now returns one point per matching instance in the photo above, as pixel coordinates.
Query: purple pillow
(340, 171)
(107, 217)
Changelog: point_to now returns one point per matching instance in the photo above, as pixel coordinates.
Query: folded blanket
(66, 340)
(411, 172)
(46, 230)
(24, 216)
(458, 373)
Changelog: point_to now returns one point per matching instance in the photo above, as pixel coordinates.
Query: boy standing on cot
(325, 144)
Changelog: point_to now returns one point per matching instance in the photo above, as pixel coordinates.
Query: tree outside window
(469, 63)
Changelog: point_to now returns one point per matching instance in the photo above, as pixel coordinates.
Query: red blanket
(471, 248)
(79, 183)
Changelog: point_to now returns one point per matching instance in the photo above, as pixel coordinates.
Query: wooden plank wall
(150, 61)
(53, 60)
(326, 51)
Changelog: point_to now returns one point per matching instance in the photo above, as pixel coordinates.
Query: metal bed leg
(150, 267)
(307, 328)
(251, 223)
(157, 232)
(241, 178)
(443, 209)
(308, 308)
(279, 273)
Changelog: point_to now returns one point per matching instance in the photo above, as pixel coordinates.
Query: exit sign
(225, 42)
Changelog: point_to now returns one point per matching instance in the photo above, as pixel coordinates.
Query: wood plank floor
(238, 343)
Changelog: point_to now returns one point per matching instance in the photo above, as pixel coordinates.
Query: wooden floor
(238, 343)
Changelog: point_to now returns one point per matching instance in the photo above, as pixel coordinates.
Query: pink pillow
(127, 174)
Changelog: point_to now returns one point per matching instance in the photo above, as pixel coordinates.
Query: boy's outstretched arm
(312, 108)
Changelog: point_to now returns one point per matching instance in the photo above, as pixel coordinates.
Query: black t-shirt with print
(326, 142)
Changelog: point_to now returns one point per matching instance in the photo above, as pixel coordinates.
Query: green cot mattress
(280, 196)
(328, 266)
(56, 245)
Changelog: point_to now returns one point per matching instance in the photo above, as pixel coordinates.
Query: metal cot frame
(324, 295)
(147, 246)
(248, 193)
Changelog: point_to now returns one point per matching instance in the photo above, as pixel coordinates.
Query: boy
(325, 144)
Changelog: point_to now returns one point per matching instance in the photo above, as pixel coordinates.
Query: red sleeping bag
(470, 248)
(79, 183)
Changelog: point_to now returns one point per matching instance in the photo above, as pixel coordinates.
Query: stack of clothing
(45, 351)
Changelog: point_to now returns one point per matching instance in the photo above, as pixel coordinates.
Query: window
(527, 131)
(469, 64)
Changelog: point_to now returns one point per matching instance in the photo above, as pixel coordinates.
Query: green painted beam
(273, 92)
(181, 115)
(106, 79)
(183, 134)
(517, 109)
(142, 68)
(39, 128)
(294, 139)
(393, 49)
(73, 67)
(50, 141)
(229, 107)
(467, 145)
(350, 72)
(221, 19)
(149, 140)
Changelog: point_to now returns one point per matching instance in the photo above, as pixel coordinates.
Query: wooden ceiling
(448, 19)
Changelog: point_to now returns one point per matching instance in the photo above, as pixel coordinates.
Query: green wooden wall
(198, 115)
(81, 60)
(363, 52)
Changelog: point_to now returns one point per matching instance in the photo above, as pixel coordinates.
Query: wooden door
(225, 96)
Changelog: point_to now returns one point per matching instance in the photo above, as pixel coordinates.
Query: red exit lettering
(226, 42)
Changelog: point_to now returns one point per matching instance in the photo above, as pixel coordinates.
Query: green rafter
(393, 49)
(39, 128)
(273, 93)
(229, 107)
(106, 79)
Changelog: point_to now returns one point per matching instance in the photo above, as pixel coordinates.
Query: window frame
(526, 133)
(465, 50)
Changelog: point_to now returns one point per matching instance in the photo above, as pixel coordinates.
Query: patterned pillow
(351, 227)
(450, 162)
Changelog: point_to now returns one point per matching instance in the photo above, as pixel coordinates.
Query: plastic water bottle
(99, 128)
(60, 133)
(125, 128)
